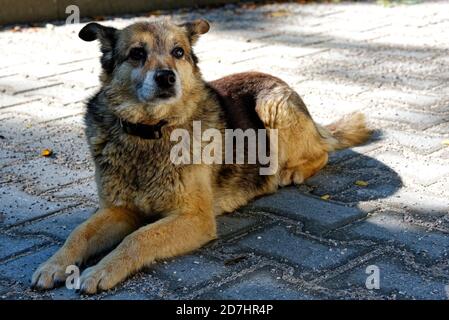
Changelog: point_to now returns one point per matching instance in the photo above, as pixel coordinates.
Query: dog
(151, 85)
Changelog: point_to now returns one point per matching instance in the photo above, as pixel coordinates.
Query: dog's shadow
(353, 177)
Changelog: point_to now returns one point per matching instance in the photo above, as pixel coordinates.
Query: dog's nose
(165, 78)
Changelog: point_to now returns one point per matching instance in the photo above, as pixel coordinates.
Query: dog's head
(149, 68)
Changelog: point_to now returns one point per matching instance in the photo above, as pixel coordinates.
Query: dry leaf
(278, 14)
(46, 153)
(361, 183)
(325, 197)
(154, 13)
(251, 5)
(445, 142)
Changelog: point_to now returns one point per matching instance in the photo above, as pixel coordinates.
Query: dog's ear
(195, 29)
(107, 37)
(93, 31)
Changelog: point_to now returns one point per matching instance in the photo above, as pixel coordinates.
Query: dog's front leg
(101, 231)
(173, 235)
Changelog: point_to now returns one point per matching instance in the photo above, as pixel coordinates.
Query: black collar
(143, 131)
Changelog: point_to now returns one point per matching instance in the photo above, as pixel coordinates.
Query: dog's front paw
(98, 278)
(48, 275)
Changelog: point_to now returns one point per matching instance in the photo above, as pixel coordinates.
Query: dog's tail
(349, 131)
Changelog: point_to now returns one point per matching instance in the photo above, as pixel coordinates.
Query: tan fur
(347, 132)
(136, 179)
(303, 144)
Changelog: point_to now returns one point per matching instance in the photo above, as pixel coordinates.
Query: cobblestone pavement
(390, 62)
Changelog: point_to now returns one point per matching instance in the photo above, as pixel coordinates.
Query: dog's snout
(165, 78)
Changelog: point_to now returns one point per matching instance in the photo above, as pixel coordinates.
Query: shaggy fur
(136, 179)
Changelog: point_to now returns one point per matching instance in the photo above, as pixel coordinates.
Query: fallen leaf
(278, 14)
(361, 183)
(251, 5)
(325, 197)
(46, 153)
(445, 142)
(154, 13)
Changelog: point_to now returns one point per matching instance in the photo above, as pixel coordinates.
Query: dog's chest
(139, 177)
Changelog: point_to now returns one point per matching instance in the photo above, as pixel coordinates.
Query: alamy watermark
(373, 280)
(72, 281)
(238, 146)
(74, 14)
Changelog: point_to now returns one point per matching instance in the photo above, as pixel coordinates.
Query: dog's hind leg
(103, 230)
(301, 149)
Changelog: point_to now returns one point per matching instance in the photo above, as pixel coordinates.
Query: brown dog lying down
(151, 86)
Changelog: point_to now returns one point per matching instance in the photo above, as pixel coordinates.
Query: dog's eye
(178, 52)
(137, 54)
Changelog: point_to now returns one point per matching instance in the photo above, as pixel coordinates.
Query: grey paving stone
(7, 101)
(440, 191)
(12, 290)
(62, 293)
(125, 295)
(442, 128)
(10, 156)
(417, 120)
(423, 144)
(32, 139)
(21, 269)
(19, 84)
(45, 174)
(329, 182)
(44, 111)
(18, 206)
(405, 98)
(389, 228)
(339, 180)
(64, 95)
(69, 147)
(85, 77)
(261, 285)
(397, 281)
(61, 225)
(13, 245)
(316, 214)
(419, 202)
(410, 168)
(234, 223)
(332, 86)
(142, 285)
(46, 70)
(86, 190)
(14, 121)
(376, 190)
(189, 271)
(306, 254)
(346, 154)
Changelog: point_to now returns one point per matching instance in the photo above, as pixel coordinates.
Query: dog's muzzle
(165, 81)
(158, 84)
